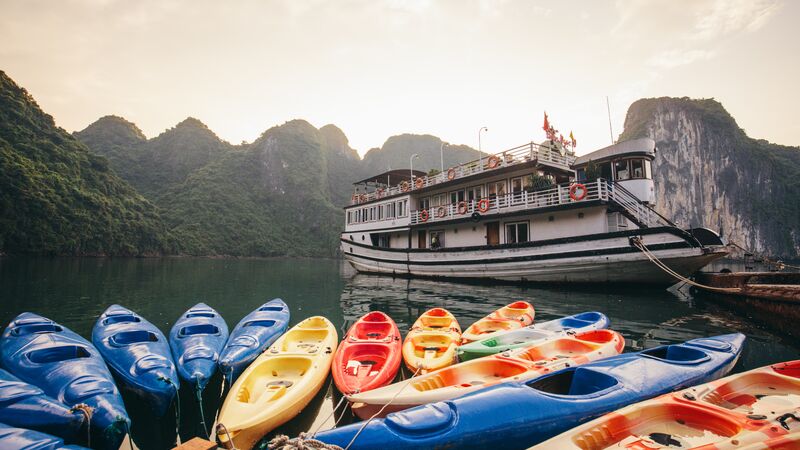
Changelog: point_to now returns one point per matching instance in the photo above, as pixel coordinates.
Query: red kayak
(369, 355)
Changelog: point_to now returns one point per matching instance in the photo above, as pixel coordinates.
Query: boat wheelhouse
(532, 213)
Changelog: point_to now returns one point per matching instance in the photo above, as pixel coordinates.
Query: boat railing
(544, 154)
(523, 200)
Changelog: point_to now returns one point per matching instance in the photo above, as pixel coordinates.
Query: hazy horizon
(382, 68)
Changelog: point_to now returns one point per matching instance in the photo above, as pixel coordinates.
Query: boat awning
(392, 177)
(639, 147)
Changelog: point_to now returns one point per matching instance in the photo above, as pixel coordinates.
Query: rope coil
(87, 412)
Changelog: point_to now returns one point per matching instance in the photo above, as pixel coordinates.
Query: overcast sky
(377, 68)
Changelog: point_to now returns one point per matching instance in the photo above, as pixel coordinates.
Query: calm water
(75, 291)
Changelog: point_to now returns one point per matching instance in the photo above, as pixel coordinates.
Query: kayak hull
(251, 336)
(742, 410)
(68, 368)
(138, 354)
(524, 364)
(196, 340)
(278, 384)
(20, 438)
(25, 405)
(431, 342)
(523, 414)
(510, 317)
(526, 336)
(369, 355)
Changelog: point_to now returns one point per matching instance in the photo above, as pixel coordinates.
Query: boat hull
(369, 356)
(586, 259)
(196, 340)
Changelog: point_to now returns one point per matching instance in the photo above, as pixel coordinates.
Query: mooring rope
(341, 400)
(637, 242)
(199, 392)
(87, 411)
(177, 405)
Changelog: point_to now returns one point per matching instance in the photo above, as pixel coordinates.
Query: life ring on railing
(404, 186)
(451, 174)
(494, 161)
(363, 198)
(419, 182)
(579, 196)
(354, 199)
(483, 205)
(423, 215)
(441, 212)
(379, 193)
(462, 207)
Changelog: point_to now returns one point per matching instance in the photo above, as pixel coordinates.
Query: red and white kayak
(431, 342)
(523, 364)
(754, 410)
(510, 317)
(369, 356)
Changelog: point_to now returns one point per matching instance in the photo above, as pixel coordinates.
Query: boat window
(457, 196)
(516, 232)
(581, 175)
(637, 168)
(424, 203)
(516, 185)
(401, 208)
(605, 171)
(380, 239)
(474, 193)
(497, 188)
(648, 172)
(622, 170)
(437, 239)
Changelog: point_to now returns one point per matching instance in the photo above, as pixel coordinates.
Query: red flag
(546, 125)
(561, 138)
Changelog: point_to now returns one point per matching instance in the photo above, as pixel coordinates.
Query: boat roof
(642, 146)
(392, 177)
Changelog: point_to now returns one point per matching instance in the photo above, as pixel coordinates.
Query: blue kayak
(19, 438)
(196, 340)
(527, 336)
(517, 415)
(251, 336)
(138, 355)
(25, 405)
(68, 368)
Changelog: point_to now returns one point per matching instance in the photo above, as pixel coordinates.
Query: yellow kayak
(278, 384)
(431, 343)
(510, 317)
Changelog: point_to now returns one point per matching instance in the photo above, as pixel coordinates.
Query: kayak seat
(132, 337)
(194, 330)
(557, 349)
(37, 328)
(372, 330)
(597, 336)
(120, 318)
(574, 323)
(677, 354)
(260, 323)
(755, 393)
(574, 382)
(423, 420)
(58, 354)
(271, 308)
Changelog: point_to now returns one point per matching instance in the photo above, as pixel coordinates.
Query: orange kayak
(510, 317)
(431, 342)
(369, 356)
(754, 410)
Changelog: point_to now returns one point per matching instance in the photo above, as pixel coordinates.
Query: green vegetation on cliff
(58, 198)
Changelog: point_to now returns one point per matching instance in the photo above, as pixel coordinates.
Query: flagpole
(610, 131)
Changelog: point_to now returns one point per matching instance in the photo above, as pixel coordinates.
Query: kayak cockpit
(677, 354)
(575, 382)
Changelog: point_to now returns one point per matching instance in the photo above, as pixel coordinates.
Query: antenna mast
(610, 131)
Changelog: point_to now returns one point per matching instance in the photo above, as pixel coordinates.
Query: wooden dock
(769, 297)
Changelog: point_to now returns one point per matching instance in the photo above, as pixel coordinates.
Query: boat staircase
(628, 205)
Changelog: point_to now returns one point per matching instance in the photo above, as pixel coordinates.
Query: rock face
(709, 173)
(58, 198)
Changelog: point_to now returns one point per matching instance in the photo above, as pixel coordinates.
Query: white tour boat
(534, 213)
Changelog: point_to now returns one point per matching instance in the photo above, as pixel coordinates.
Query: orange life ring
(483, 205)
(494, 161)
(404, 186)
(355, 198)
(363, 198)
(419, 182)
(575, 187)
(379, 193)
(441, 212)
(451, 174)
(463, 207)
(423, 215)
